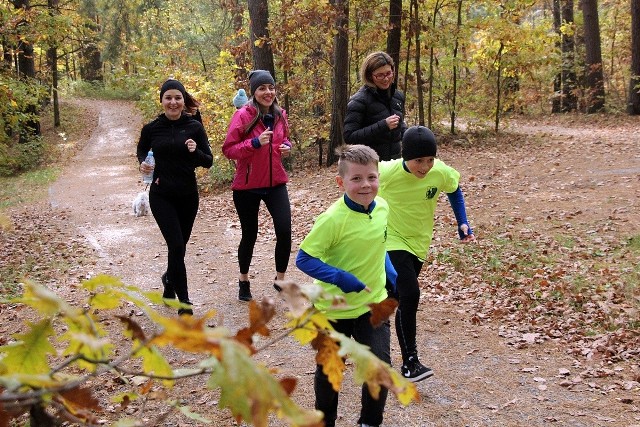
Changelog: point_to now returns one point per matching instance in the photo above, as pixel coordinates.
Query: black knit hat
(258, 78)
(418, 141)
(172, 84)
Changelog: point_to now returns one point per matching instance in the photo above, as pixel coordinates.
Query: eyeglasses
(382, 76)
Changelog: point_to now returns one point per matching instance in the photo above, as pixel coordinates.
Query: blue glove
(347, 282)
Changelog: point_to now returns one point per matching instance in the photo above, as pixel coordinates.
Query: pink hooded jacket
(255, 167)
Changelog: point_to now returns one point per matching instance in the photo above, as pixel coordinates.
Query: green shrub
(20, 102)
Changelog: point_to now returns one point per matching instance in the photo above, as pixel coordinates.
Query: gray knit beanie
(258, 78)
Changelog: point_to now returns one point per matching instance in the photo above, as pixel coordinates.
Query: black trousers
(379, 342)
(247, 203)
(408, 267)
(175, 216)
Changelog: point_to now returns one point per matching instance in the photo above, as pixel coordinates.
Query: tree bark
(260, 39)
(568, 84)
(454, 88)
(340, 79)
(594, 79)
(633, 104)
(556, 102)
(27, 70)
(395, 32)
(415, 25)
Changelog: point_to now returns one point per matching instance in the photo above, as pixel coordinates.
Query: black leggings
(408, 267)
(247, 205)
(378, 340)
(175, 216)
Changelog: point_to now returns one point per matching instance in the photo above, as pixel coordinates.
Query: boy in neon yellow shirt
(411, 186)
(345, 252)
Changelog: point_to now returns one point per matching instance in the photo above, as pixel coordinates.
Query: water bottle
(147, 178)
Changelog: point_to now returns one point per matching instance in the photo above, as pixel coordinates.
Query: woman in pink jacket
(257, 139)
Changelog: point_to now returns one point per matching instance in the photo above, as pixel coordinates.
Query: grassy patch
(60, 144)
(585, 282)
(27, 187)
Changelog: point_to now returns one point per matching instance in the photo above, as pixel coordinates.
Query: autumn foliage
(46, 370)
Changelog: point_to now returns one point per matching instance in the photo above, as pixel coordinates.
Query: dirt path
(480, 379)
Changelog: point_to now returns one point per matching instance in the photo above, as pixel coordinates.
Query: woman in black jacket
(179, 144)
(375, 113)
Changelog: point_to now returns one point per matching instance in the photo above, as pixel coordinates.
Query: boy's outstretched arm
(320, 270)
(456, 200)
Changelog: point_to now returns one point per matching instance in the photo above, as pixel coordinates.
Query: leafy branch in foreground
(48, 370)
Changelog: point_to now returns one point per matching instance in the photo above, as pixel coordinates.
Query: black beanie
(418, 141)
(258, 78)
(172, 84)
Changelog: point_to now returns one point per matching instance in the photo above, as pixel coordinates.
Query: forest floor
(542, 177)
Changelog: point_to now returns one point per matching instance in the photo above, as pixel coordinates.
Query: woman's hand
(265, 137)
(191, 145)
(393, 121)
(285, 150)
(145, 168)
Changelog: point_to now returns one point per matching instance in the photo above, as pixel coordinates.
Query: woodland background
(462, 64)
(466, 67)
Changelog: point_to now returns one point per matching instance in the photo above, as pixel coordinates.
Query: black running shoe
(244, 291)
(168, 292)
(415, 371)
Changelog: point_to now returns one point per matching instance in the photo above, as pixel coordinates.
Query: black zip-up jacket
(365, 122)
(174, 173)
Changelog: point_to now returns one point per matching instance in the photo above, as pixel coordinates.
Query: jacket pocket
(247, 173)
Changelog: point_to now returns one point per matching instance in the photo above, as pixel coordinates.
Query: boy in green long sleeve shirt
(345, 252)
(411, 187)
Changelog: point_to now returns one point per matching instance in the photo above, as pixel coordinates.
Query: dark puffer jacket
(365, 122)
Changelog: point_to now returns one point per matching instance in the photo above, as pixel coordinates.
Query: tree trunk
(27, 70)
(568, 84)
(91, 65)
(52, 59)
(395, 33)
(633, 104)
(340, 79)
(436, 9)
(498, 87)
(239, 48)
(556, 102)
(260, 40)
(415, 25)
(593, 57)
(7, 57)
(454, 88)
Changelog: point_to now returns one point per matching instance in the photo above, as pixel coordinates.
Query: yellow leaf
(153, 362)
(44, 300)
(102, 301)
(327, 356)
(29, 354)
(374, 371)
(190, 333)
(237, 374)
(304, 335)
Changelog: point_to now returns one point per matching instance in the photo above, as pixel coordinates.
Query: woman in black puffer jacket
(375, 113)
